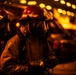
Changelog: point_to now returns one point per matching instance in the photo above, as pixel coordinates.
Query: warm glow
(73, 6)
(60, 10)
(5, 2)
(48, 7)
(68, 4)
(54, 35)
(74, 27)
(72, 14)
(1, 17)
(56, 0)
(41, 63)
(17, 24)
(56, 14)
(63, 12)
(63, 40)
(65, 26)
(70, 26)
(65, 20)
(68, 13)
(9, 2)
(42, 5)
(66, 23)
(62, 2)
(32, 3)
(23, 1)
(52, 25)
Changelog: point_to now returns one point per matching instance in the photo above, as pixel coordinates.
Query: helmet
(34, 15)
(37, 18)
(32, 12)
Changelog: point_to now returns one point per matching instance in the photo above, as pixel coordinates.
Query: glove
(35, 67)
(51, 62)
(19, 69)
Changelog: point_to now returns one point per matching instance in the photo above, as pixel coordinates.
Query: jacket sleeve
(9, 60)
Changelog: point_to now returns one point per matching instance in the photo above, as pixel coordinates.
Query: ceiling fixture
(32, 3)
(23, 1)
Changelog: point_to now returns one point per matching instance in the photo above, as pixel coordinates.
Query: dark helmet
(36, 17)
(32, 12)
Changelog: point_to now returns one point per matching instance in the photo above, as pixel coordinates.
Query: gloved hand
(36, 63)
(51, 62)
(19, 70)
(35, 67)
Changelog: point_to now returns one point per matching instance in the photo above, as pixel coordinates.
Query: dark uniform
(19, 52)
(27, 55)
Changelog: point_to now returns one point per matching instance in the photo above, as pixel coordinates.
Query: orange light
(23, 1)
(62, 2)
(68, 4)
(60, 10)
(42, 5)
(17, 24)
(72, 14)
(63, 12)
(68, 13)
(48, 7)
(32, 3)
(73, 6)
(56, 0)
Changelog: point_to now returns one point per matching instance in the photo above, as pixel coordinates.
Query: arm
(9, 60)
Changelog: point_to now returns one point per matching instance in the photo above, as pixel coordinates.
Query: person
(5, 18)
(25, 53)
